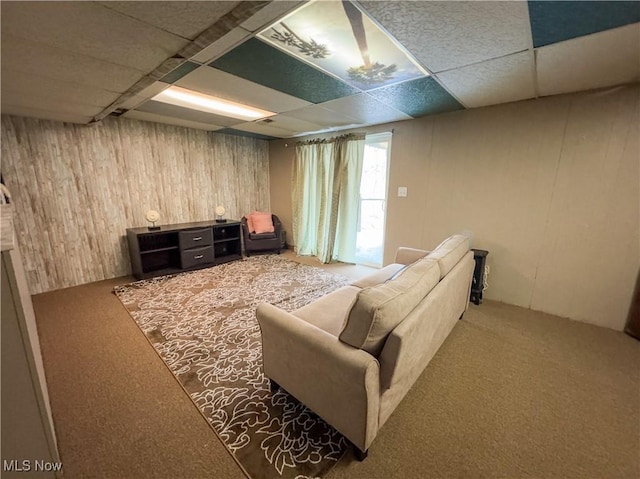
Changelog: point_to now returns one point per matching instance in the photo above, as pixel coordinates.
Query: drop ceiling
(81, 61)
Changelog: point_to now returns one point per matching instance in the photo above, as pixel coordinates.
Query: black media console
(183, 247)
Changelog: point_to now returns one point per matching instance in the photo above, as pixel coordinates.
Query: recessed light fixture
(175, 95)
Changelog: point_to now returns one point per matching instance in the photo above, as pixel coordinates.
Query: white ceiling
(80, 61)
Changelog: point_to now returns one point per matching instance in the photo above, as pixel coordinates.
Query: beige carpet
(511, 393)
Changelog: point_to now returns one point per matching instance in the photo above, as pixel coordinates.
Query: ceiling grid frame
(600, 28)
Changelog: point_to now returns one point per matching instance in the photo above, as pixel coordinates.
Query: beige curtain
(326, 197)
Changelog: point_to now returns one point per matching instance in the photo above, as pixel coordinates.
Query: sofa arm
(338, 382)
(409, 255)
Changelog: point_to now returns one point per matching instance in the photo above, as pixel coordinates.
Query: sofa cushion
(449, 252)
(329, 312)
(380, 276)
(379, 309)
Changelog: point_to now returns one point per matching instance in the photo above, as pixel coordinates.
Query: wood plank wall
(76, 189)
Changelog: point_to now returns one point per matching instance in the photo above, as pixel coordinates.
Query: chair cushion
(379, 309)
(262, 222)
(259, 236)
(250, 227)
(449, 252)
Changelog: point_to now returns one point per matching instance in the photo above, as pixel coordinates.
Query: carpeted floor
(511, 393)
(203, 325)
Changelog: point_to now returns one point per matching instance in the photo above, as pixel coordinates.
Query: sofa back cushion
(449, 252)
(379, 309)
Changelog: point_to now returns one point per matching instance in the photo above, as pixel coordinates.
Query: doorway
(373, 200)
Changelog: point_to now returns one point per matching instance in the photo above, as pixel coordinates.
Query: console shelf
(158, 250)
(183, 247)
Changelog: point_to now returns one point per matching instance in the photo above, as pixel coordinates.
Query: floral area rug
(203, 325)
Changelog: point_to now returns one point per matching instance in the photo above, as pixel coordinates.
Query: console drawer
(195, 256)
(195, 238)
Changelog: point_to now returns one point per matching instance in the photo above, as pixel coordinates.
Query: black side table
(477, 284)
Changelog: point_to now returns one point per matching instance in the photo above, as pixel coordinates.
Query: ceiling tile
(165, 109)
(365, 109)
(603, 59)
(294, 125)
(92, 30)
(339, 39)
(151, 91)
(553, 22)
(445, 35)
(321, 116)
(260, 63)
(224, 85)
(177, 73)
(272, 12)
(8, 109)
(38, 59)
(263, 129)
(29, 85)
(144, 116)
(222, 45)
(186, 19)
(502, 80)
(420, 97)
(49, 103)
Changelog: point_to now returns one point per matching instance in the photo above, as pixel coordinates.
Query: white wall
(550, 187)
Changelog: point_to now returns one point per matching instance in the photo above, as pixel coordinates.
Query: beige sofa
(352, 355)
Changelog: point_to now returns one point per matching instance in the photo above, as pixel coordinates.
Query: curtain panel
(325, 195)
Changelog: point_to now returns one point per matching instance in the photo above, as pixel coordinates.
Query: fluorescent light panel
(175, 95)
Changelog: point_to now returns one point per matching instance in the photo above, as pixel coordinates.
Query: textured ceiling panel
(80, 27)
(263, 129)
(222, 45)
(260, 63)
(268, 14)
(50, 103)
(61, 60)
(29, 85)
(321, 116)
(164, 109)
(553, 22)
(224, 85)
(445, 35)
(365, 109)
(42, 60)
(599, 60)
(144, 116)
(502, 80)
(177, 73)
(294, 125)
(186, 19)
(9, 109)
(420, 97)
(150, 91)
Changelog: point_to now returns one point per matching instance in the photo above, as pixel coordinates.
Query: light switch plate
(402, 192)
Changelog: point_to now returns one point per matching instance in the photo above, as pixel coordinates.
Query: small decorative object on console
(220, 211)
(153, 216)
